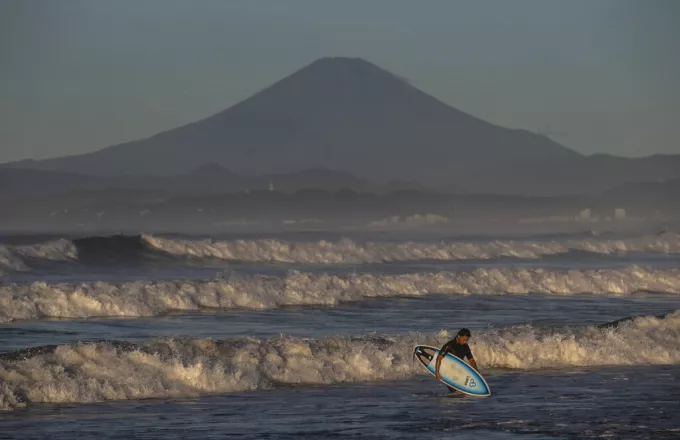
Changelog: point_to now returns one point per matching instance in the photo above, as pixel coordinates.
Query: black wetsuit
(461, 351)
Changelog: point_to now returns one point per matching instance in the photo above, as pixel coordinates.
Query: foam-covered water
(559, 324)
(90, 372)
(587, 403)
(142, 298)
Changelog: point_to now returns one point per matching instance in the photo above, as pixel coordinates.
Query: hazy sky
(80, 75)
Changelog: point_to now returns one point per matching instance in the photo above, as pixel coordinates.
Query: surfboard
(454, 371)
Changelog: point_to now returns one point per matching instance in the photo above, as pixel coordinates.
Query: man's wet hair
(464, 332)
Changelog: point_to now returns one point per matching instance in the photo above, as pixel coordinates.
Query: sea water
(287, 337)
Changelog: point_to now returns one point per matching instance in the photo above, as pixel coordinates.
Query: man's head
(463, 336)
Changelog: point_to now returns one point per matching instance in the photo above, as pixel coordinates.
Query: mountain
(338, 113)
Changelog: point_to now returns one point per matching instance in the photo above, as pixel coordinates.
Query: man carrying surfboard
(449, 367)
(457, 347)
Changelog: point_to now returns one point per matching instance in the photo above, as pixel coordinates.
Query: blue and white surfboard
(453, 371)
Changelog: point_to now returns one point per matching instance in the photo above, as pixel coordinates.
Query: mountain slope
(340, 113)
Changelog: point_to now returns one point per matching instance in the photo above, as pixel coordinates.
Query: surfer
(457, 347)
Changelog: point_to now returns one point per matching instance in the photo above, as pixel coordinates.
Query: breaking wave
(348, 251)
(131, 249)
(96, 250)
(114, 370)
(15, 258)
(147, 298)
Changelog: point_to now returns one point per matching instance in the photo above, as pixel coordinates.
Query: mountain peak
(333, 75)
(338, 63)
(342, 61)
(356, 66)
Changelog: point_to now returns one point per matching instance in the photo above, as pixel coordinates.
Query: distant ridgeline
(349, 115)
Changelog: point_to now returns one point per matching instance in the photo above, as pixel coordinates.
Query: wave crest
(14, 258)
(131, 249)
(349, 252)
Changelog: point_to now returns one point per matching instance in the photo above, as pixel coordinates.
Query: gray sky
(80, 75)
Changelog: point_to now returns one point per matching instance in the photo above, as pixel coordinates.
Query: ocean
(311, 335)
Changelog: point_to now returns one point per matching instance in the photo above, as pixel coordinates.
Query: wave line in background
(149, 298)
(131, 249)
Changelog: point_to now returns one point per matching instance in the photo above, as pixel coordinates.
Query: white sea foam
(348, 251)
(13, 258)
(145, 298)
(91, 372)
(9, 261)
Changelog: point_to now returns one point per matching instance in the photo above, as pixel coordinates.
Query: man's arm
(473, 364)
(440, 356)
(437, 365)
